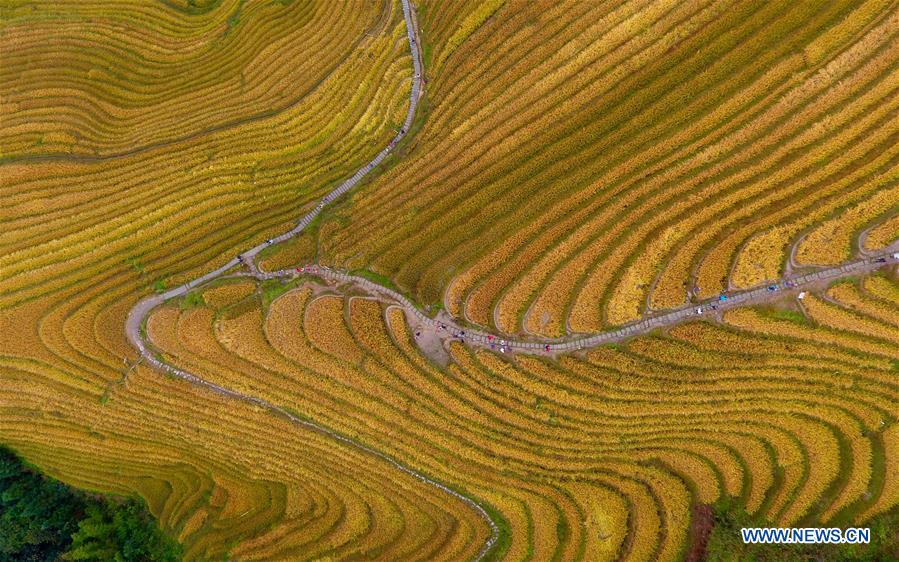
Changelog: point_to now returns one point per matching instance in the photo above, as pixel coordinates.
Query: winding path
(704, 309)
(138, 314)
(444, 324)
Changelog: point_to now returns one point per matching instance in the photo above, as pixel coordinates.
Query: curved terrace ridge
(137, 315)
(446, 325)
(450, 328)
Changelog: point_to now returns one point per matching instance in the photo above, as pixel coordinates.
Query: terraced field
(574, 166)
(233, 183)
(585, 163)
(599, 455)
(116, 183)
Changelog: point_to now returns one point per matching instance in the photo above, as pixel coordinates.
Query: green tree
(44, 520)
(120, 532)
(37, 517)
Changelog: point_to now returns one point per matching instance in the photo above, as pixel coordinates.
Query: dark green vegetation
(42, 519)
(726, 544)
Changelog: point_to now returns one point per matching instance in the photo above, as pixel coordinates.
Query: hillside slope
(585, 162)
(788, 411)
(174, 136)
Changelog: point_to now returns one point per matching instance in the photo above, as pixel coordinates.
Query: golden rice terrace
(471, 280)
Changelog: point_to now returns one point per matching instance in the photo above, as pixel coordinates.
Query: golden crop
(578, 164)
(719, 408)
(228, 293)
(540, 201)
(832, 316)
(830, 243)
(881, 288)
(851, 296)
(883, 234)
(154, 176)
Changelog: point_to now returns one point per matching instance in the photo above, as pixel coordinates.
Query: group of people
(501, 345)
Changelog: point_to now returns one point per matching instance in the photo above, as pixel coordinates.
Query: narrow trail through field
(137, 316)
(443, 324)
(709, 308)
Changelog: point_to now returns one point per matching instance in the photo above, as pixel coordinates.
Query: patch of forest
(43, 519)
